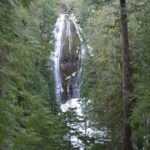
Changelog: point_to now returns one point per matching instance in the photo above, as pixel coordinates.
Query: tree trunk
(127, 87)
(139, 145)
(69, 148)
(3, 64)
(4, 53)
(85, 130)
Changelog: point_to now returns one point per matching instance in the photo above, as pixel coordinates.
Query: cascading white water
(68, 58)
(58, 44)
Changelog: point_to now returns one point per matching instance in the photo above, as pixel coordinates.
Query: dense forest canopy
(115, 90)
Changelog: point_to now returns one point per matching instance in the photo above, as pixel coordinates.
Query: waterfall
(68, 57)
(68, 71)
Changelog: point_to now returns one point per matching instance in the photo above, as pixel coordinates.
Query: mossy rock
(69, 58)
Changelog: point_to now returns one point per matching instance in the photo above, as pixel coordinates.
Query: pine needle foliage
(29, 117)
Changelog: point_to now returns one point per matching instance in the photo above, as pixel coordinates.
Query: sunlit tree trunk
(127, 87)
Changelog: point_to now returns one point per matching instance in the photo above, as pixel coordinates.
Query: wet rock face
(68, 56)
(69, 61)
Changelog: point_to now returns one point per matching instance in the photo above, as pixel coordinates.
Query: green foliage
(139, 33)
(28, 109)
(73, 121)
(102, 77)
(29, 117)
